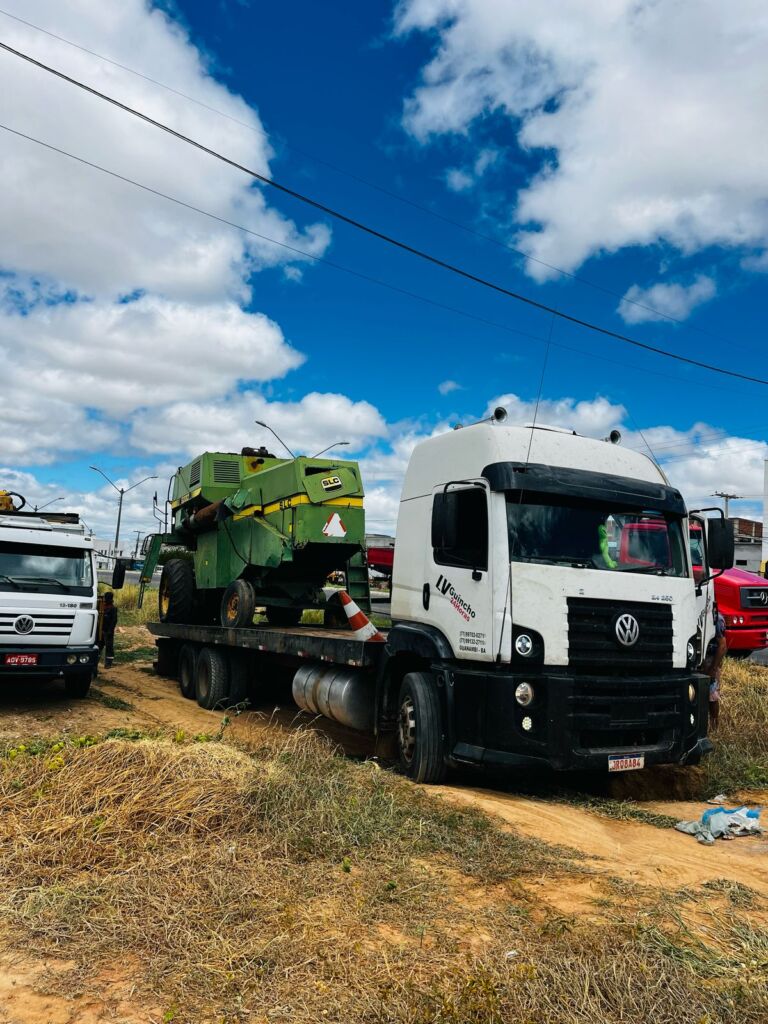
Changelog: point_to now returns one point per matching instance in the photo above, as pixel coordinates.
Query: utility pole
(726, 498)
(139, 534)
(121, 491)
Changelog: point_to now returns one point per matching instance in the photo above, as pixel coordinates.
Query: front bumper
(746, 638)
(575, 722)
(51, 661)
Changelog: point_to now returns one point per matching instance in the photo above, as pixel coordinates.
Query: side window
(460, 528)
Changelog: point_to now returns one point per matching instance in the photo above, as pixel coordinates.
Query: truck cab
(545, 639)
(48, 611)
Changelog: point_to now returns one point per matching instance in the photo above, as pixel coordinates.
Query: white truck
(48, 603)
(520, 634)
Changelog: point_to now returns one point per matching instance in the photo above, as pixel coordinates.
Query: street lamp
(335, 444)
(121, 491)
(39, 508)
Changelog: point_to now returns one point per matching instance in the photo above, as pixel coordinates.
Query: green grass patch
(740, 758)
(618, 810)
(110, 701)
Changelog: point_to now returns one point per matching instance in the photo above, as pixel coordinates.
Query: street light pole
(39, 508)
(121, 491)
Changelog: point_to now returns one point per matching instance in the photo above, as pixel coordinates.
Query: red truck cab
(741, 597)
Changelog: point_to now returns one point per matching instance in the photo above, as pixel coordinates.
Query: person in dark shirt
(108, 625)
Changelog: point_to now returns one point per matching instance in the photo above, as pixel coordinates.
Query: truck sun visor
(583, 483)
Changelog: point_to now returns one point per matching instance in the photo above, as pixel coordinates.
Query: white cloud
(306, 426)
(118, 357)
(102, 237)
(593, 418)
(661, 301)
(447, 386)
(649, 116)
(459, 180)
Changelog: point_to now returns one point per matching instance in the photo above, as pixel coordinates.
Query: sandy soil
(44, 992)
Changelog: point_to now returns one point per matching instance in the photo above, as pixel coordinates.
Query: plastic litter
(719, 799)
(723, 823)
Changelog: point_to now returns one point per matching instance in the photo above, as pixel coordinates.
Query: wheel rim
(406, 730)
(233, 607)
(165, 599)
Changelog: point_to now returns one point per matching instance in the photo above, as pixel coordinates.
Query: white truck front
(48, 609)
(542, 646)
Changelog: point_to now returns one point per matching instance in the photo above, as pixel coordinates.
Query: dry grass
(288, 884)
(740, 758)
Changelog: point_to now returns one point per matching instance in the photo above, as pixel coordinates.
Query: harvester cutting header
(258, 530)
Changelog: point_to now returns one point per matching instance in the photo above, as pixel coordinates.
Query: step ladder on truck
(520, 636)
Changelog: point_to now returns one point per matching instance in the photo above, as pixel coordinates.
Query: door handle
(425, 596)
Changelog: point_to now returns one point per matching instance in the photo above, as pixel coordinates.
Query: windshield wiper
(11, 580)
(647, 570)
(43, 579)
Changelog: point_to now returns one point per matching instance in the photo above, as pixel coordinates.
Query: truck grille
(610, 713)
(45, 624)
(754, 597)
(592, 640)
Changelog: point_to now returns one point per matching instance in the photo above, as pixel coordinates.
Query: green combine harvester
(258, 531)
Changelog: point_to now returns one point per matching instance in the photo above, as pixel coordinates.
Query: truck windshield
(45, 567)
(559, 530)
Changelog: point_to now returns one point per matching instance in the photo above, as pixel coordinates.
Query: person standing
(713, 664)
(108, 626)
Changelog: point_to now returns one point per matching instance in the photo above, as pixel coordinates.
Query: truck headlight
(691, 650)
(524, 694)
(523, 645)
(527, 723)
(83, 659)
(71, 659)
(691, 693)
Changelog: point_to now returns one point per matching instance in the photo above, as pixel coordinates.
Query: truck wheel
(238, 605)
(176, 596)
(420, 729)
(212, 679)
(77, 685)
(279, 616)
(187, 671)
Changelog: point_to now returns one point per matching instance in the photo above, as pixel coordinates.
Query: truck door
(458, 594)
(705, 587)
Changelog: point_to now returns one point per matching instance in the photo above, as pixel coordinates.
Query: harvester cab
(254, 530)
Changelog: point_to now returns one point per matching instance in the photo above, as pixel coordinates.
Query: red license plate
(20, 659)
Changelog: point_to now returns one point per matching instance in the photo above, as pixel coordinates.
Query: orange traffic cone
(358, 621)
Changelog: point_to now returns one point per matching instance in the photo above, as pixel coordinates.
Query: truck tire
(212, 679)
(277, 615)
(420, 729)
(188, 671)
(238, 605)
(176, 596)
(77, 685)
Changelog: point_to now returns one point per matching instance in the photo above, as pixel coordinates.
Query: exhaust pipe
(345, 695)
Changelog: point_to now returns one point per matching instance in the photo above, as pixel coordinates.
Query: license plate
(20, 659)
(626, 764)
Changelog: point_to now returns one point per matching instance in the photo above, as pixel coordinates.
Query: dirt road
(131, 696)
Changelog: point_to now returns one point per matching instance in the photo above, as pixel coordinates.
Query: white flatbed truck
(48, 603)
(518, 636)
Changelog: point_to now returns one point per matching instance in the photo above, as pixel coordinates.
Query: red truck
(742, 597)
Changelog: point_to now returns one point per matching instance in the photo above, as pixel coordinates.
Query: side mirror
(720, 544)
(118, 575)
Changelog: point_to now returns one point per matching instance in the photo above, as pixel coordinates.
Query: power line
(364, 181)
(380, 235)
(347, 270)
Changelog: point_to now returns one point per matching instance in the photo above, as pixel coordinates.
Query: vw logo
(627, 630)
(762, 596)
(24, 624)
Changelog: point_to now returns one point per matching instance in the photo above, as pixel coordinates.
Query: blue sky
(138, 332)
